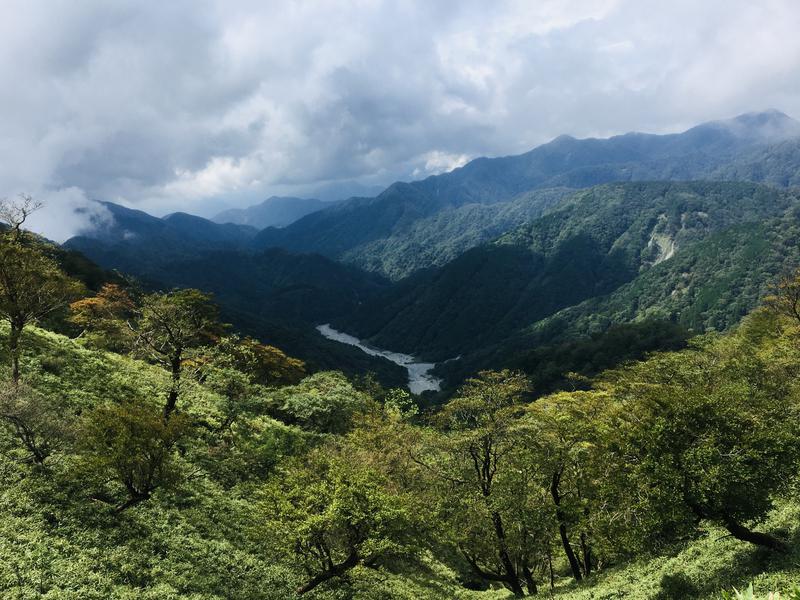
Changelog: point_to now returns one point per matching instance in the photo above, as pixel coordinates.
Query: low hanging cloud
(194, 106)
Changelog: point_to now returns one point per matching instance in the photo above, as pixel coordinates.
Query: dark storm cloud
(187, 105)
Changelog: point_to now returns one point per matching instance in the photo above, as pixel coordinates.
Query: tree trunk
(529, 580)
(132, 500)
(13, 348)
(172, 396)
(574, 565)
(334, 571)
(740, 532)
(587, 554)
(508, 566)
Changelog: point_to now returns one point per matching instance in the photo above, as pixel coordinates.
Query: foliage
(714, 431)
(323, 402)
(31, 287)
(265, 365)
(332, 514)
(133, 446)
(104, 318)
(38, 425)
(169, 325)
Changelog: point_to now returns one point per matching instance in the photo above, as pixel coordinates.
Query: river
(419, 374)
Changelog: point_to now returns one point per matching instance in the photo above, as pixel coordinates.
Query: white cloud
(67, 212)
(437, 162)
(187, 106)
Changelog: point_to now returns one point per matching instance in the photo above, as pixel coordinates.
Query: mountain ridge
(719, 150)
(275, 211)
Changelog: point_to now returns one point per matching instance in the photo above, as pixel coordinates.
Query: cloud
(66, 213)
(191, 106)
(437, 162)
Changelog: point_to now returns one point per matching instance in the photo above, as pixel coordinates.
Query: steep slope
(276, 284)
(596, 242)
(360, 230)
(448, 233)
(708, 286)
(273, 295)
(275, 211)
(203, 538)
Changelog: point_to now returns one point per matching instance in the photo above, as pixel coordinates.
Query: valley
(538, 249)
(400, 300)
(571, 370)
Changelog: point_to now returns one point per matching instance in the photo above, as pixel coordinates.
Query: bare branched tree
(15, 212)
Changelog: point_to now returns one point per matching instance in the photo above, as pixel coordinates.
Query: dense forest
(149, 450)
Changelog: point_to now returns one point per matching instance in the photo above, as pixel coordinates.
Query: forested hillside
(153, 452)
(698, 253)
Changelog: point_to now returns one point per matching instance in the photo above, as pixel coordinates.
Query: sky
(197, 105)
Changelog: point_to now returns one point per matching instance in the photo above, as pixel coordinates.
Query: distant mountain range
(762, 147)
(503, 256)
(276, 211)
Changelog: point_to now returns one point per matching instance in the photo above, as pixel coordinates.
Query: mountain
(439, 238)
(761, 147)
(274, 295)
(276, 211)
(504, 256)
(276, 284)
(591, 246)
(187, 251)
(136, 242)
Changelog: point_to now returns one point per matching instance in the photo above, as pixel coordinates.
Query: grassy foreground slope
(700, 569)
(202, 538)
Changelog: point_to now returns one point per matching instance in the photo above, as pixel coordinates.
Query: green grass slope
(201, 540)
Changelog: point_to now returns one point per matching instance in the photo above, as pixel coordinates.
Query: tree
(31, 287)
(14, 213)
(710, 433)
(323, 402)
(481, 485)
(37, 424)
(168, 325)
(104, 317)
(133, 446)
(332, 513)
(786, 297)
(265, 365)
(563, 434)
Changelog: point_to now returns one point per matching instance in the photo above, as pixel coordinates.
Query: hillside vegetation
(157, 454)
(655, 247)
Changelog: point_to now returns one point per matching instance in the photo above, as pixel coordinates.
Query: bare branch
(15, 212)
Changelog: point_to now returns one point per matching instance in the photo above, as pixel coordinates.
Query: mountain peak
(769, 125)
